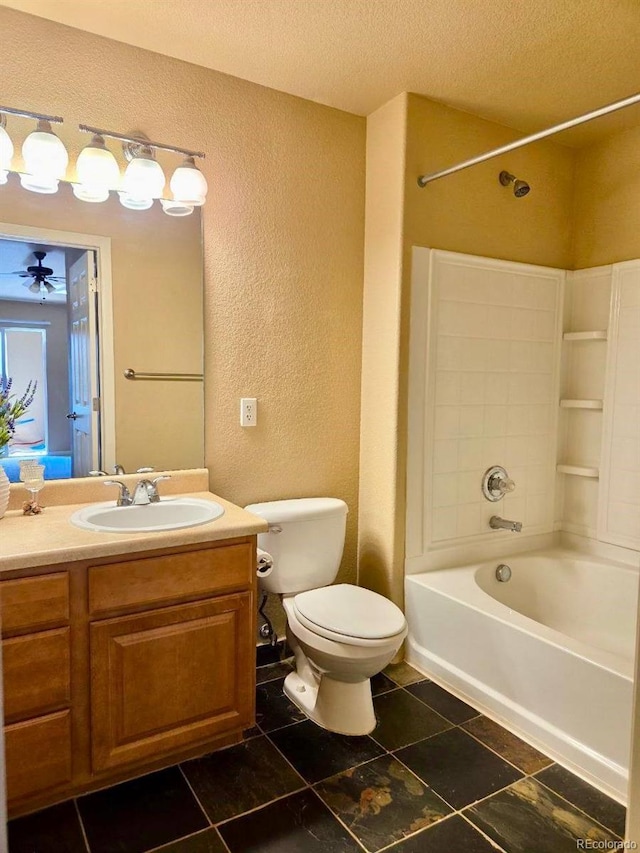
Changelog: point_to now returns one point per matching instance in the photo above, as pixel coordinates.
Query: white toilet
(341, 635)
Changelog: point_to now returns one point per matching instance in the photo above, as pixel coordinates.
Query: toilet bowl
(340, 635)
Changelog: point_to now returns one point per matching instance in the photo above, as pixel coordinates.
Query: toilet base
(339, 706)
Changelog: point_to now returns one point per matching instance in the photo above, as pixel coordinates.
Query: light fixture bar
(85, 128)
(28, 114)
(423, 180)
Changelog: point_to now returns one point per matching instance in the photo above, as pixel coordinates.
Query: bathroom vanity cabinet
(116, 666)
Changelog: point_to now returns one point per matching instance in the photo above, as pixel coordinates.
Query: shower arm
(423, 180)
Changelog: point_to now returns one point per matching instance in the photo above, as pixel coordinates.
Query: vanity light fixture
(144, 179)
(45, 159)
(97, 171)
(6, 150)
(188, 185)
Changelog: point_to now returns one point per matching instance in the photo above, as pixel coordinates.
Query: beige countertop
(51, 538)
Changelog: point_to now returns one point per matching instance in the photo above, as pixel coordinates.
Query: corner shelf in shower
(596, 405)
(579, 470)
(586, 336)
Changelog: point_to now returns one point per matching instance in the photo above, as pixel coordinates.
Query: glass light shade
(6, 150)
(143, 178)
(40, 184)
(176, 208)
(87, 192)
(97, 171)
(188, 184)
(134, 203)
(45, 160)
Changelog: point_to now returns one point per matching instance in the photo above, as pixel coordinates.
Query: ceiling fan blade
(56, 278)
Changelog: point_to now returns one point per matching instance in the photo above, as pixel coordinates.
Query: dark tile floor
(434, 777)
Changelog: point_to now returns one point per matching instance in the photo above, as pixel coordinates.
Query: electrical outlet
(248, 411)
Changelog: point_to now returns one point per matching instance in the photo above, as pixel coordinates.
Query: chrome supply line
(423, 180)
(130, 373)
(137, 140)
(28, 114)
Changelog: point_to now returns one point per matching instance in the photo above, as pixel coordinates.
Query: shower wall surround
(534, 369)
(619, 504)
(488, 396)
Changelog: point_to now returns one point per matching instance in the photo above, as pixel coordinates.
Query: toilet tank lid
(352, 611)
(298, 509)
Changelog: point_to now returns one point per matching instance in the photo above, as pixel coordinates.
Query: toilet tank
(306, 542)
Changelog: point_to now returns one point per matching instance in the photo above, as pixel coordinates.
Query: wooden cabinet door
(170, 678)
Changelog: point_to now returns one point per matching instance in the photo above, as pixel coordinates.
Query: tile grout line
(495, 752)
(195, 796)
(481, 832)
(573, 805)
(261, 806)
(339, 819)
(331, 775)
(82, 826)
(185, 838)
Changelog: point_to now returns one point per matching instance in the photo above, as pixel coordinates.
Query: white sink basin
(168, 514)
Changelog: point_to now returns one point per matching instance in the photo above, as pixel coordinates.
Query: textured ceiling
(524, 64)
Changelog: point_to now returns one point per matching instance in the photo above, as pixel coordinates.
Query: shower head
(520, 188)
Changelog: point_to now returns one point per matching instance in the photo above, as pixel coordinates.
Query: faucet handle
(124, 496)
(156, 480)
(153, 487)
(506, 485)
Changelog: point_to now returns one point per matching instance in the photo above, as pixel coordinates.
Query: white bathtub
(550, 653)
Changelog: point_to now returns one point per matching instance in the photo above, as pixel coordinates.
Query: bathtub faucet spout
(497, 523)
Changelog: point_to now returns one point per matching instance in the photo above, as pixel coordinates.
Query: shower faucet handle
(496, 483)
(505, 485)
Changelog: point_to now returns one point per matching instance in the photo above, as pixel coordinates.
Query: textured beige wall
(283, 240)
(469, 212)
(157, 316)
(381, 522)
(607, 201)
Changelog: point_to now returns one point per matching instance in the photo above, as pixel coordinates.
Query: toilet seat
(349, 614)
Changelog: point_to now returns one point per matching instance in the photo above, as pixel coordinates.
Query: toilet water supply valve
(264, 568)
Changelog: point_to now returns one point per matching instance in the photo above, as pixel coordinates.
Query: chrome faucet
(497, 523)
(118, 470)
(145, 492)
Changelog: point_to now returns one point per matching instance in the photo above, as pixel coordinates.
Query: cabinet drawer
(38, 755)
(155, 581)
(36, 674)
(32, 604)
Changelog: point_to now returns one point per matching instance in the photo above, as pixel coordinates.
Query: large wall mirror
(89, 293)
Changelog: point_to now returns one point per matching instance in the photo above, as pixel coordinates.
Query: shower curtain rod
(423, 180)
